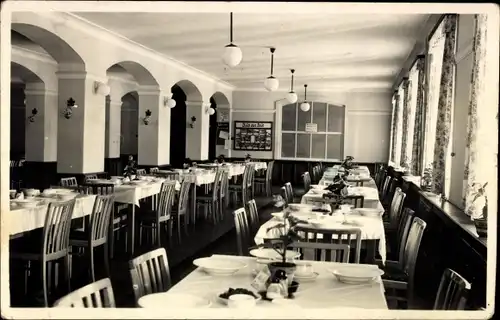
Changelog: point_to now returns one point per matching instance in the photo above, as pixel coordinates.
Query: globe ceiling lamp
(271, 83)
(232, 53)
(292, 96)
(305, 106)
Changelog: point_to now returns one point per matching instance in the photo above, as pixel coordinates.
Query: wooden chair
(242, 231)
(391, 220)
(241, 189)
(351, 237)
(150, 273)
(154, 170)
(141, 172)
(289, 193)
(265, 183)
(306, 179)
(96, 233)
(387, 200)
(90, 177)
(179, 210)
(284, 195)
(330, 252)
(250, 183)
(399, 275)
(396, 246)
(168, 175)
(69, 182)
(224, 193)
(153, 219)
(55, 245)
(385, 188)
(253, 214)
(95, 295)
(453, 292)
(210, 202)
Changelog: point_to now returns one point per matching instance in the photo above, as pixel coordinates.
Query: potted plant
(426, 181)
(248, 157)
(480, 214)
(221, 159)
(130, 169)
(347, 163)
(406, 165)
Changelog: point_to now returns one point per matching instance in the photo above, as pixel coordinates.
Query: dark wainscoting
(34, 174)
(449, 241)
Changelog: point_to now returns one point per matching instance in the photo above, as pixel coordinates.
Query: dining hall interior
(232, 157)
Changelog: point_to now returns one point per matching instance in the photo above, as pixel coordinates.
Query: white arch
(190, 90)
(45, 71)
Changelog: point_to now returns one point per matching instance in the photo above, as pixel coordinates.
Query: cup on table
(241, 301)
(304, 269)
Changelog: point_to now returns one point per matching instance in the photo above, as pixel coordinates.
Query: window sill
(448, 211)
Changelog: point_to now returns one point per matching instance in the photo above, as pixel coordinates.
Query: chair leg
(91, 261)
(106, 258)
(67, 269)
(44, 282)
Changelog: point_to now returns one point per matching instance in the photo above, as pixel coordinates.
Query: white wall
(368, 113)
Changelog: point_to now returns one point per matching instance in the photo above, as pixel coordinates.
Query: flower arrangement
(347, 163)
(221, 159)
(426, 182)
(130, 168)
(480, 202)
(248, 157)
(406, 165)
(187, 163)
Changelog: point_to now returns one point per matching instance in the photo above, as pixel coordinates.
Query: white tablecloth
(131, 194)
(325, 292)
(23, 219)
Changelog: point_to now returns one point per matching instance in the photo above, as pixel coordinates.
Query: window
(326, 143)
(412, 91)
(398, 139)
(435, 56)
(391, 136)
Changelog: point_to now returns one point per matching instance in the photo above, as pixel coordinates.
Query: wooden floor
(204, 240)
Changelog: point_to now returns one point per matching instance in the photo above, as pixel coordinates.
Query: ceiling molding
(110, 36)
(369, 112)
(253, 110)
(32, 54)
(322, 90)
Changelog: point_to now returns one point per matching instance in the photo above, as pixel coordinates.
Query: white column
(197, 137)
(41, 129)
(113, 127)
(80, 139)
(154, 137)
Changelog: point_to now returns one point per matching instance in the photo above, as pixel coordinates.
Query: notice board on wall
(253, 135)
(222, 132)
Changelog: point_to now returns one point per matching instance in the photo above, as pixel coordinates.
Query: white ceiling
(327, 50)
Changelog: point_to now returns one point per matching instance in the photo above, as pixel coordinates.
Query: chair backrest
(224, 182)
(330, 252)
(242, 230)
(184, 196)
(251, 174)
(217, 184)
(90, 177)
(351, 237)
(403, 230)
(391, 190)
(316, 174)
(284, 195)
(100, 218)
(253, 215)
(306, 178)
(453, 292)
(154, 170)
(56, 229)
(98, 294)
(101, 188)
(269, 171)
(168, 175)
(358, 201)
(69, 182)
(385, 188)
(165, 200)
(140, 172)
(396, 206)
(150, 273)
(289, 192)
(410, 254)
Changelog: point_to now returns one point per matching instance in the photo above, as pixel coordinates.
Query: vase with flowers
(479, 213)
(130, 169)
(248, 157)
(406, 166)
(426, 181)
(347, 163)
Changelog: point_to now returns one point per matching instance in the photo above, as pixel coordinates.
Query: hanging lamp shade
(271, 83)
(305, 106)
(292, 96)
(232, 53)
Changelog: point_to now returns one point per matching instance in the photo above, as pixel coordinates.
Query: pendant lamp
(271, 82)
(232, 53)
(304, 106)
(292, 96)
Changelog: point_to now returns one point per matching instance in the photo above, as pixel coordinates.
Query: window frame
(279, 132)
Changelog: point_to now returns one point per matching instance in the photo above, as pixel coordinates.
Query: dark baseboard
(80, 177)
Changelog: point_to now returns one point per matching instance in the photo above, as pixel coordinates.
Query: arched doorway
(219, 122)
(182, 92)
(129, 134)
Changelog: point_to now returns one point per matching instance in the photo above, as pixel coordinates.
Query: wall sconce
(70, 104)
(34, 112)
(169, 102)
(193, 120)
(210, 111)
(147, 118)
(101, 88)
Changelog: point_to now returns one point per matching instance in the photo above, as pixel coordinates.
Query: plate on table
(305, 277)
(270, 254)
(223, 297)
(356, 274)
(299, 206)
(219, 266)
(166, 300)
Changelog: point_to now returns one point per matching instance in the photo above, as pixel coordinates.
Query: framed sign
(222, 132)
(253, 135)
(311, 127)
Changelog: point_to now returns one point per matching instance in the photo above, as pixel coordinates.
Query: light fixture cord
(305, 92)
(291, 85)
(272, 60)
(231, 27)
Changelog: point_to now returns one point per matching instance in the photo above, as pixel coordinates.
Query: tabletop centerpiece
(282, 271)
(131, 168)
(347, 164)
(248, 157)
(221, 159)
(406, 166)
(480, 215)
(427, 177)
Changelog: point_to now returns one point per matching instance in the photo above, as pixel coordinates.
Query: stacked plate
(218, 266)
(369, 212)
(166, 300)
(356, 274)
